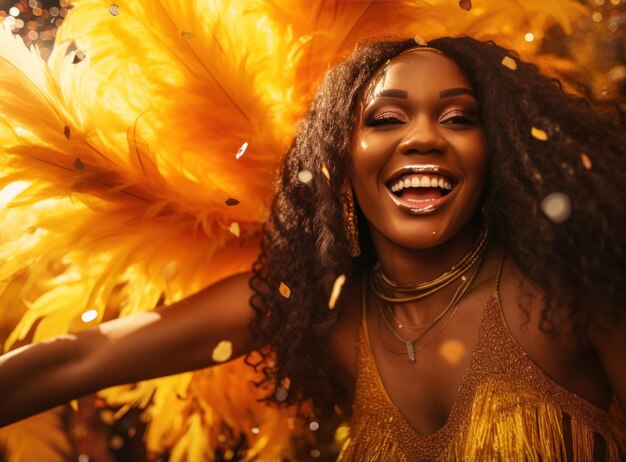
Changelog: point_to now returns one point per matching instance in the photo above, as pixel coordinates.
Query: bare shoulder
(565, 359)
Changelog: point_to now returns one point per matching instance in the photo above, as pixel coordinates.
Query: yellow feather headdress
(115, 170)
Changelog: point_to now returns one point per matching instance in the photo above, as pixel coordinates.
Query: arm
(167, 341)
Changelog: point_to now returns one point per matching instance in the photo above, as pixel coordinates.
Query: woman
(481, 318)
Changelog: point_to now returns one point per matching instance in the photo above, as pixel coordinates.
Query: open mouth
(420, 189)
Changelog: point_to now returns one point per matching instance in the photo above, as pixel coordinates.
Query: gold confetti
(241, 151)
(509, 62)
(557, 207)
(465, 4)
(325, 171)
(228, 455)
(285, 383)
(116, 442)
(452, 351)
(107, 416)
(420, 41)
(337, 286)
(74, 405)
(234, 228)
(304, 176)
(223, 351)
(284, 290)
(66, 132)
(230, 202)
(187, 35)
(78, 57)
(539, 134)
(586, 161)
(114, 10)
(281, 394)
(78, 164)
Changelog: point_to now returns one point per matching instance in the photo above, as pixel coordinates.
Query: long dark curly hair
(578, 265)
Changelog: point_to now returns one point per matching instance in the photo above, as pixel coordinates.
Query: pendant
(410, 351)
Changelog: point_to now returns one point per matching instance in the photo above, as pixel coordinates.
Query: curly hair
(578, 264)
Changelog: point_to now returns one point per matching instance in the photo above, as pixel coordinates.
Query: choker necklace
(411, 348)
(384, 287)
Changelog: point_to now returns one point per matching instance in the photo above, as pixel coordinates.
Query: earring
(349, 220)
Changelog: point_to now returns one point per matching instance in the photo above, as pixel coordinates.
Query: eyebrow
(395, 93)
(455, 92)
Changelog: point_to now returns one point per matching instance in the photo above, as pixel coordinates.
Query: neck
(406, 265)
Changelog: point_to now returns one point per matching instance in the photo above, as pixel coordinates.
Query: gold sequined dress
(507, 409)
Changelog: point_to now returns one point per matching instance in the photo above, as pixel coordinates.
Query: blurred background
(595, 55)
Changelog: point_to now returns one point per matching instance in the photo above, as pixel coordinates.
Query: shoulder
(565, 358)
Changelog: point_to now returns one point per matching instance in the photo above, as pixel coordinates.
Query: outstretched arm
(169, 340)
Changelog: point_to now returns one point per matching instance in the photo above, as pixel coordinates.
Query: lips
(421, 189)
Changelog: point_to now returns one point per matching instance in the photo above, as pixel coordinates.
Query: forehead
(418, 73)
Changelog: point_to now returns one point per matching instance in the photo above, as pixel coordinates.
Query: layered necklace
(389, 292)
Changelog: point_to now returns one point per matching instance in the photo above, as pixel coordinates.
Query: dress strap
(496, 288)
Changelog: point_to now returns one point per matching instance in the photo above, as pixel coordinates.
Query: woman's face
(419, 160)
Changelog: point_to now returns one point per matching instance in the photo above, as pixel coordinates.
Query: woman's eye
(461, 118)
(384, 119)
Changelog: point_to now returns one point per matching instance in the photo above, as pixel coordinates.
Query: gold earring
(349, 220)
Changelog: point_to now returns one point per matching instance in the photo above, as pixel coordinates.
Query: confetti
(223, 351)
(420, 41)
(465, 4)
(255, 430)
(509, 62)
(66, 132)
(314, 426)
(114, 10)
(325, 171)
(170, 270)
(241, 151)
(187, 35)
(604, 92)
(281, 394)
(539, 134)
(284, 290)
(234, 228)
(78, 57)
(116, 442)
(285, 383)
(337, 286)
(304, 176)
(557, 207)
(78, 164)
(586, 161)
(230, 202)
(452, 351)
(89, 316)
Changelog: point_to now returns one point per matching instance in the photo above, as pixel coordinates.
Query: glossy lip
(421, 168)
(414, 208)
(428, 207)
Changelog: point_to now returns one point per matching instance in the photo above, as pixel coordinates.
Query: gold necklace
(410, 344)
(383, 284)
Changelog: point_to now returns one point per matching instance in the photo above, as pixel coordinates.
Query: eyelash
(459, 118)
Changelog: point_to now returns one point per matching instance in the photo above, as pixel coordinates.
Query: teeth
(421, 181)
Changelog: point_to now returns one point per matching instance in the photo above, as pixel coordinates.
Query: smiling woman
(473, 323)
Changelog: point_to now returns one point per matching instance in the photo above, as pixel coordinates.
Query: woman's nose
(422, 137)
